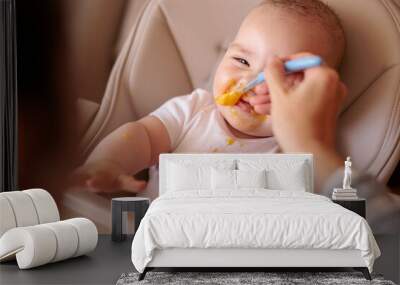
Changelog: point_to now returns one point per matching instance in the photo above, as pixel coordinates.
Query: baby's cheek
(225, 86)
(223, 80)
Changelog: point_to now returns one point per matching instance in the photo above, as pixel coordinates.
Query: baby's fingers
(100, 183)
(78, 177)
(130, 184)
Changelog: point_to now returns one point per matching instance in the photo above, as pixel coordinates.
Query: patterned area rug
(242, 278)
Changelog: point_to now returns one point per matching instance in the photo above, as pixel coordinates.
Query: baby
(196, 123)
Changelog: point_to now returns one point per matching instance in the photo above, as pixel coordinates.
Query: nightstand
(357, 206)
(137, 205)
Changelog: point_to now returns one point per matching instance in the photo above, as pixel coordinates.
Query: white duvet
(250, 219)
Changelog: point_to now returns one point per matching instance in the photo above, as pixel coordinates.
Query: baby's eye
(242, 61)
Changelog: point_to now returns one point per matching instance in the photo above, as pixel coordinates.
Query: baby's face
(265, 32)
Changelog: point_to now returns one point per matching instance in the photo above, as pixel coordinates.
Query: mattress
(251, 219)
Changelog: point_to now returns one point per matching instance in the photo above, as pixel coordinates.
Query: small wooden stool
(137, 205)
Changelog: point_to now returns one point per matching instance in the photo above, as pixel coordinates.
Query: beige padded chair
(178, 44)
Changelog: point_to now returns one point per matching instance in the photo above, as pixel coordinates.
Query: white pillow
(223, 179)
(251, 178)
(236, 179)
(281, 174)
(181, 177)
(293, 179)
(185, 174)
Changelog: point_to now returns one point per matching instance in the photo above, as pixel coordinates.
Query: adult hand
(304, 115)
(261, 99)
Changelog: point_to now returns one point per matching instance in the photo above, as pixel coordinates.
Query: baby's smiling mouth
(235, 97)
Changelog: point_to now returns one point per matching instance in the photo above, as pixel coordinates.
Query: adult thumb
(275, 77)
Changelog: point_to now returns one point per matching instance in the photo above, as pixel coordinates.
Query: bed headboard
(208, 158)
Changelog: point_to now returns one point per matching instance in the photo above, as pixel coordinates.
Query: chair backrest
(178, 44)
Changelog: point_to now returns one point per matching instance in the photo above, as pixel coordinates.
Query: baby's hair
(314, 10)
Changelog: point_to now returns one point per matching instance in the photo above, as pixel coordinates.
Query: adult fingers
(263, 109)
(294, 79)
(259, 99)
(261, 89)
(319, 80)
(275, 77)
(341, 94)
(342, 91)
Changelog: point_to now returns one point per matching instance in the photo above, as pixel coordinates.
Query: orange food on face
(232, 94)
(233, 112)
(233, 97)
(229, 98)
(258, 116)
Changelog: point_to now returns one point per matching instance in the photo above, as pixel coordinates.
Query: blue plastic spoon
(293, 65)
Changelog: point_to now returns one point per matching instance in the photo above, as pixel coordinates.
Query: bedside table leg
(116, 216)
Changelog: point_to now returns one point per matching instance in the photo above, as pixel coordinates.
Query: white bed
(202, 220)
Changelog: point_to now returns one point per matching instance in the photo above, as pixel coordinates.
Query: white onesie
(195, 125)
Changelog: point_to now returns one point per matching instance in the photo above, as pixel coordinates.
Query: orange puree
(232, 94)
(229, 98)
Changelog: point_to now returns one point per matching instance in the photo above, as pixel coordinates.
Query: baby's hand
(106, 176)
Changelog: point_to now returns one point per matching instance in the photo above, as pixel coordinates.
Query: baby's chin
(247, 121)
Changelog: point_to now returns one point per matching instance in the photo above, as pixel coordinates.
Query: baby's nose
(261, 88)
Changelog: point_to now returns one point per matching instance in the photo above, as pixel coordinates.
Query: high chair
(179, 43)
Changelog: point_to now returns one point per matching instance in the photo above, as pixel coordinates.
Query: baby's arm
(130, 148)
(135, 145)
